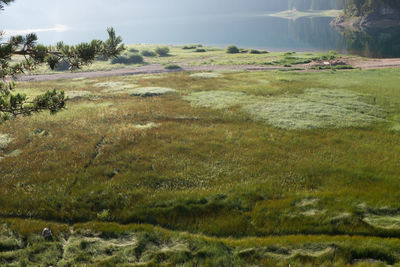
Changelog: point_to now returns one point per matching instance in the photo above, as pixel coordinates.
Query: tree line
(364, 7)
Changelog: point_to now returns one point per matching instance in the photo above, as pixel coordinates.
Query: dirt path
(375, 63)
(157, 68)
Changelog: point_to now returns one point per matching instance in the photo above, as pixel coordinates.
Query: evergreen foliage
(4, 2)
(363, 7)
(30, 54)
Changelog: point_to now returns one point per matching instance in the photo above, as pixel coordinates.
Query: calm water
(216, 22)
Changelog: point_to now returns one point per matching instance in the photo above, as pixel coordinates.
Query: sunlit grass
(212, 56)
(195, 161)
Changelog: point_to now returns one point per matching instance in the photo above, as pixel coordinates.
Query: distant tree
(232, 49)
(22, 53)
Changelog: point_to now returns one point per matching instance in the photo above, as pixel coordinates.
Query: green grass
(110, 244)
(206, 75)
(212, 56)
(151, 91)
(295, 14)
(197, 177)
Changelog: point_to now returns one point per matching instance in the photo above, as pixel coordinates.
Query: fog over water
(210, 22)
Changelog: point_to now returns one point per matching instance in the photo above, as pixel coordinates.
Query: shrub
(330, 56)
(133, 50)
(162, 51)
(5, 140)
(172, 67)
(133, 59)
(290, 53)
(254, 51)
(200, 50)
(148, 53)
(232, 49)
(188, 47)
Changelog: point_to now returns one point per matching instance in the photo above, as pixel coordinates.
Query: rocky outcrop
(384, 16)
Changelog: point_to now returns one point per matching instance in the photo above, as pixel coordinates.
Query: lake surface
(216, 23)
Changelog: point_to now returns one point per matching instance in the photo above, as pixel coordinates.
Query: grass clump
(232, 49)
(254, 51)
(162, 51)
(200, 50)
(146, 126)
(151, 91)
(206, 75)
(172, 67)
(191, 47)
(330, 67)
(115, 87)
(5, 140)
(148, 53)
(218, 99)
(316, 108)
(385, 221)
(77, 94)
(127, 60)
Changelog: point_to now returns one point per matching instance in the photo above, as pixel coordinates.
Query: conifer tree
(28, 54)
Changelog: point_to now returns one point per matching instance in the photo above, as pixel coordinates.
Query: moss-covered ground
(171, 180)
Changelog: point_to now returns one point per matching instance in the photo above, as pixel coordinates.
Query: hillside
(378, 13)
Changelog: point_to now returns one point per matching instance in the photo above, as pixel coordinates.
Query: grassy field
(207, 169)
(181, 56)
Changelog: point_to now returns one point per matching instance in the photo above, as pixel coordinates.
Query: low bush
(188, 47)
(148, 53)
(290, 53)
(133, 50)
(162, 51)
(200, 50)
(254, 51)
(232, 49)
(330, 56)
(329, 67)
(172, 67)
(133, 59)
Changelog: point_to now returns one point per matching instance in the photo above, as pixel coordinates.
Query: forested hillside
(305, 5)
(365, 7)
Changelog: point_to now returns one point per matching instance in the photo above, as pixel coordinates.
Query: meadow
(206, 169)
(195, 55)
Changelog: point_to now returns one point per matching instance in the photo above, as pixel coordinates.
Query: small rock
(47, 234)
